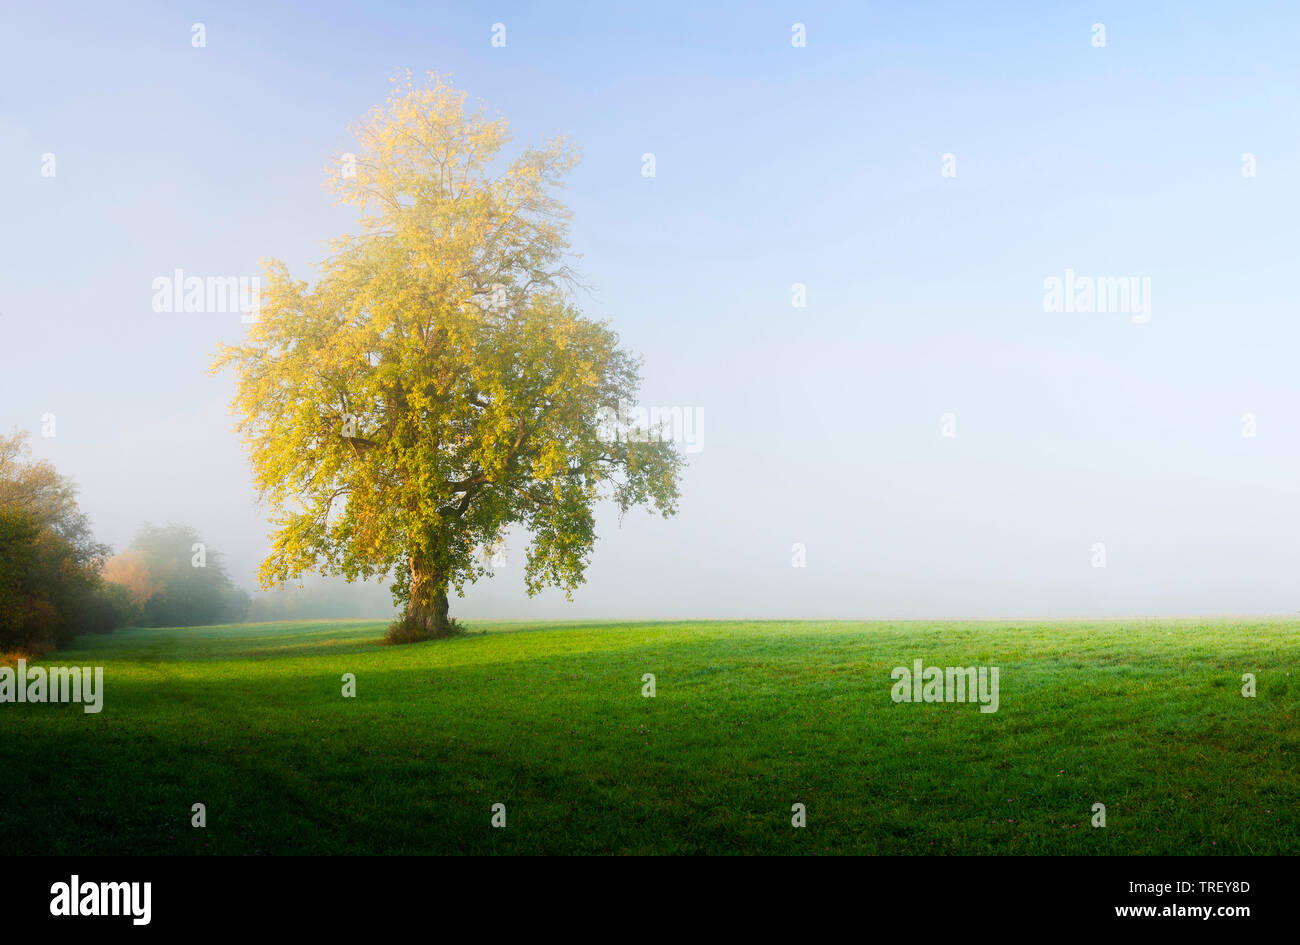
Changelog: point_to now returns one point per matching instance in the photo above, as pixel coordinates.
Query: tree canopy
(175, 580)
(438, 386)
(49, 559)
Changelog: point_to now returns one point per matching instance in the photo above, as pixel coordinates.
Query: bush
(409, 631)
(111, 607)
(45, 590)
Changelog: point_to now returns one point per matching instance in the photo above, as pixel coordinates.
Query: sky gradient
(823, 165)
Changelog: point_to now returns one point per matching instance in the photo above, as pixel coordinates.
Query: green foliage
(49, 560)
(111, 607)
(27, 618)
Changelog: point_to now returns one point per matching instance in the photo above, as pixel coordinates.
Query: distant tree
(37, 490)
(436, 387)
(111, 607)
(190, 588)
(131, 571)
(29, 622)
(49, 560)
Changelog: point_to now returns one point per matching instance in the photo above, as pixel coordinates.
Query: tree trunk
(427, 608)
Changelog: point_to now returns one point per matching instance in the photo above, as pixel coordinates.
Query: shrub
(407, 630)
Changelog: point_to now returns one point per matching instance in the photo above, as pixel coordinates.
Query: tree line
(57, 581)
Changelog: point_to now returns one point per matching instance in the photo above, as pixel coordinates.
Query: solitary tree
(437, 385)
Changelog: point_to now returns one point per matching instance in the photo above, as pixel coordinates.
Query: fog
(925, 436)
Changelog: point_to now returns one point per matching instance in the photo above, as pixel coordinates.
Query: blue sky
(775, 165)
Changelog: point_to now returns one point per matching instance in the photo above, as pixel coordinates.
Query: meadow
(748, 718)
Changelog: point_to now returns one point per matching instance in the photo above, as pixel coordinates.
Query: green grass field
(1146, 717)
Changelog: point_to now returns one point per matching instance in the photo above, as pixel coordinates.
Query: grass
(1146, 717)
